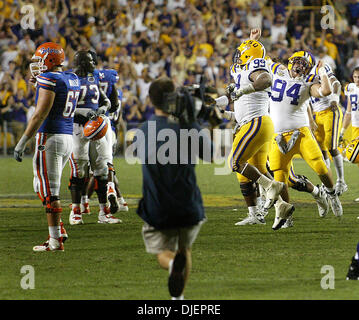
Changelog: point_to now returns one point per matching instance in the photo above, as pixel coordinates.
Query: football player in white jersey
(351, 90)
(254, 132)
(328, 118)
(292, 86)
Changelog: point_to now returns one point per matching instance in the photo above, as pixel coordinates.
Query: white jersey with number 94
(288, 109)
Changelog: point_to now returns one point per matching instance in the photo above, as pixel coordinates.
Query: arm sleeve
(47, 82)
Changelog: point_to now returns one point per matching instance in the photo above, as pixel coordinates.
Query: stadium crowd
(183, 39)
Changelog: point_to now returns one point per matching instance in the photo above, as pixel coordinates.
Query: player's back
(66, 86)
(352, 93)
(107, 78)
(288, 108)
(255, 104)
(90, 92)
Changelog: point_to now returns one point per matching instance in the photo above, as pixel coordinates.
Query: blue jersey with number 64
(66, 86)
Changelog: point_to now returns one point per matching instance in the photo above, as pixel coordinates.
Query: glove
(20, 148)
(235, 95)
(101, 111)
(230, 88)
(91, 115)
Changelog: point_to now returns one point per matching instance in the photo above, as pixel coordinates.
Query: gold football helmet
(248, 51)
(306, 60)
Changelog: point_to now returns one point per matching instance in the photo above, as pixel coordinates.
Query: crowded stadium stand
(143, 40)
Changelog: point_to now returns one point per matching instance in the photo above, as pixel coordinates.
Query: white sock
(339, 168)
(181, 297)
(55, 232)
(111, 184)
(102, 207)
(264, 181)
(315, 191)
(356, 257)
(170, 264)
(84, 199)
(252, 210)
(327, 163)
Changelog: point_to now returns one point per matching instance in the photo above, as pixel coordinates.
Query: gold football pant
(251, 144)
(329, 123)
(306, 146)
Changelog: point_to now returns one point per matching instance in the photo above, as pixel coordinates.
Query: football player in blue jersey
(57, 94)
(92, 103)
(108, 79)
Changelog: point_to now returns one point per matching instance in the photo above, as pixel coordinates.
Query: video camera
(192, 103)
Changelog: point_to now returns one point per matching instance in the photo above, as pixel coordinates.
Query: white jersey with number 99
(255, 104)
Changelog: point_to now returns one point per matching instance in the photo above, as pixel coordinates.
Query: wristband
(22, 142)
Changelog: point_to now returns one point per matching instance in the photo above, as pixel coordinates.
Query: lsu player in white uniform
(328, 118)
(352, 112)
(351, 90)
(254, 132)
(292, 86)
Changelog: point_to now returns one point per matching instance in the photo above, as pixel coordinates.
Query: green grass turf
(229, 262)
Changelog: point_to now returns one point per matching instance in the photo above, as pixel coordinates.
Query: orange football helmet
(95, 129)
(46, 57)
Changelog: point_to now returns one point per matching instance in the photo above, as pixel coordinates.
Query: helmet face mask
(46, 57)
(300, 66)
(300, 63)
(37, 66)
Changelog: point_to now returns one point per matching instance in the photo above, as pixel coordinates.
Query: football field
(229, 262)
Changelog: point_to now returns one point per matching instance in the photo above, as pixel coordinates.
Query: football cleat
(123, 204)
(340, 187)
(353, 272)
(283, 210)
(258, 218)
(176, 280)
(50, 245)
(64, 234)
(112, 199)
(85, 208)
(106, 217)
(322, 202)
(288, 224)
(75, 217)
(356, 199)
(272, 193)
(335, 204)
